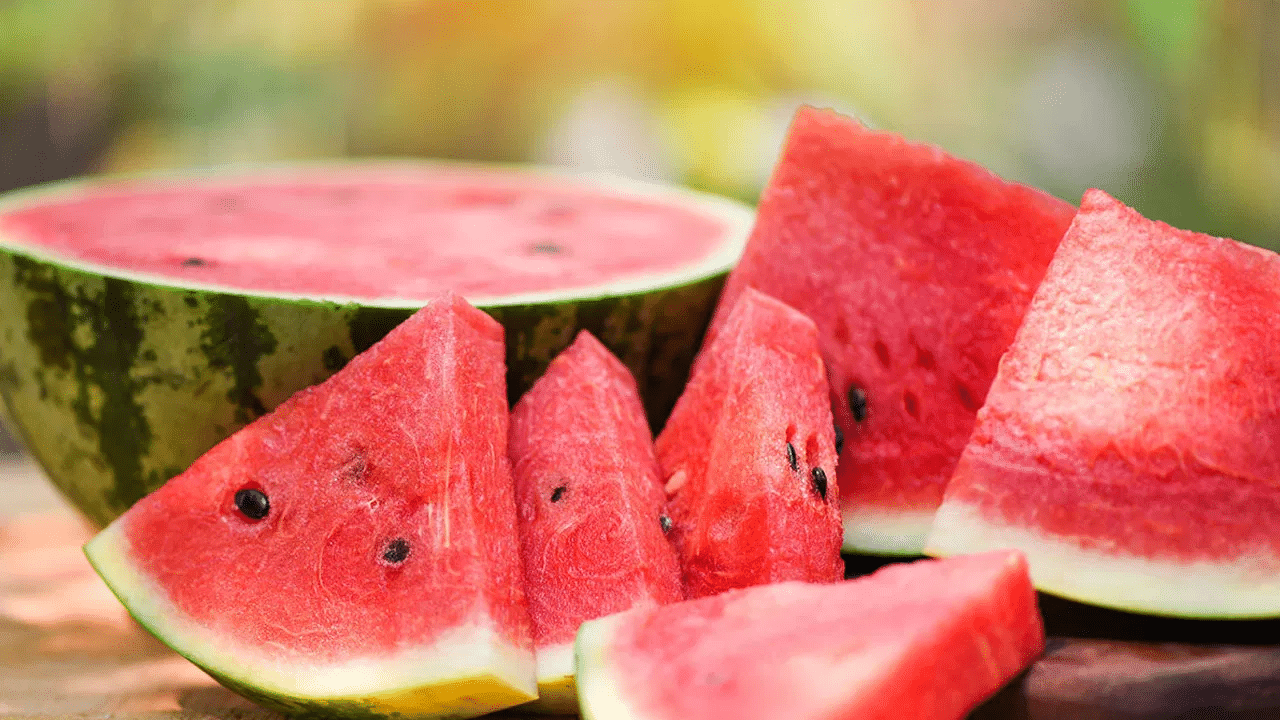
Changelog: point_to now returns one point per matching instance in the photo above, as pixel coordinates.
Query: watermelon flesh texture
(1130, 444)
(916, 268)
(928, 640)
(379, 570)
(748, 457)
(590, 504)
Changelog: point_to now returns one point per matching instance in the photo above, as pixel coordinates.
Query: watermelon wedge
(1130, 444)
(590, 506)
(748, 456)
(916, 268)
(354, 551)
(928, 640)
(144, 319)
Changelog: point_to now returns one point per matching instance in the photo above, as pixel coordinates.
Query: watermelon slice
(354, 551)
(144, 319)
(590, 505)
(1130, 444)
(748, 456)
(927, 640)
(917, 268)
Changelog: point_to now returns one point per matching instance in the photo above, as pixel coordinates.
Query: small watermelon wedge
(748, 456)
(1130, 444)
(927, 640)
(590, 505)
(916, 268)
(354, 551)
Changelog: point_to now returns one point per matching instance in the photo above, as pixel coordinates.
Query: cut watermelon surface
(916, 268)
(1130, 444)
(927, 640)
(748, 456)
(354, 551)
(590, 506)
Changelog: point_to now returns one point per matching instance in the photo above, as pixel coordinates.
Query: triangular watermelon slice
(748, 456)
(1130, 444)
(354, 551)
(927, 640)
(590, 503)
(917, 268)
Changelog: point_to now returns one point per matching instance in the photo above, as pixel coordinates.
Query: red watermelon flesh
(916, 268)
(381, 231)
(749, 455)
(928, 640)
(354, 545)
(1130, 444)
(590, 504)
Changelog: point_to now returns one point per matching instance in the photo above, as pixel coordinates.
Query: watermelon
(916, 268)
(748, 457)
(1130, 444)
(354, 551)
(927, 640)
(590, 507)
(144, 319)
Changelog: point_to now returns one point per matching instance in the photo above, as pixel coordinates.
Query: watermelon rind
(871, 531)
(469, 672)
(599, 696)
(1218, 590)
(117, 380)
(557, 685)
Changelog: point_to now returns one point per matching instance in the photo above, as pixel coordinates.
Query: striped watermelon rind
(116, 380)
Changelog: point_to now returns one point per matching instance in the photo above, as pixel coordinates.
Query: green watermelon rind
(409, 684)
(117, 381)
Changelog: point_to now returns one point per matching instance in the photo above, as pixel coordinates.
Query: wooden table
(68, 649)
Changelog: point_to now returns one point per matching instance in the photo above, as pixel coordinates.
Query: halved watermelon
(927, 640)
(917, 268)
(144, 319)
(355, 550)
(1130, 444)
(590, 506)
(748, 456)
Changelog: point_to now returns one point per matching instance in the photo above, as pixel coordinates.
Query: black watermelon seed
(193, 262)
(665, 522)
(857, 403)
(791, 457)
(559, 493)
(839, 440)
(397, 550)
(253, 503)
(820, 482)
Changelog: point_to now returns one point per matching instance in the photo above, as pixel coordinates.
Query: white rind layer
(878, 532)
(470, 670)
(599, 695)
(557, 693)
(1244, 588)
(736, 217)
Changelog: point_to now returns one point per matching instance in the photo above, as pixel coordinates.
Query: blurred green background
(1171, 105)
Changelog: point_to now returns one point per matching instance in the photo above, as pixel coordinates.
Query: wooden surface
(68, 649)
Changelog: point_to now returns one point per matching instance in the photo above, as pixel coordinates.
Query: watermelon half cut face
(355, 550)
(1130, 444)
(144, 319)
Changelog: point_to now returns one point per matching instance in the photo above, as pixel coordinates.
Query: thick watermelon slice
(748, 456)
(927, 640)
(590, 503)
(142, 320)
(917, 268)
(1130, 444)
(355, 550)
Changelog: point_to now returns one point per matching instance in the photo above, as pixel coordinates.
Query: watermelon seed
(546, 248)
(559, 493)
(253, 503)
(820, 482)
(397, 550)
(665, 522)
(791, 457)
(911, 404)
(839, 439)
(966, 397)
(857, 403)
(193, 262)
